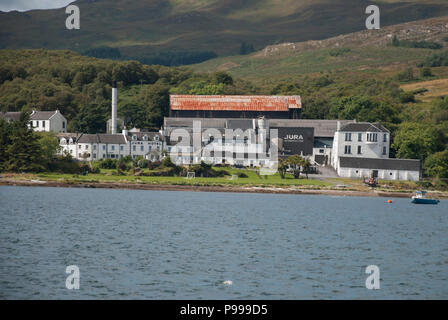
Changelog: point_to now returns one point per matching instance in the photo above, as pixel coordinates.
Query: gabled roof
(383, 164)
(42, 115)
(12, 116)
(364, 127)
(140, 135)
(235, 103)
(102, 138)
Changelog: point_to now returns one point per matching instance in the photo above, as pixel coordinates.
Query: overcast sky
(23, 5)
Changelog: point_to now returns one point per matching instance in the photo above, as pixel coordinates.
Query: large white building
(41, 121)
(91, 147)
(362, 150)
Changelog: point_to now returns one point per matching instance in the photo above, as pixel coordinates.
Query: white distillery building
(245, 147)
(362, 150)
(41, 121)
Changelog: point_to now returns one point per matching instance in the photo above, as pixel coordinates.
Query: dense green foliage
(436, 60)
(80, 87)
(23, 150)
(416, 44)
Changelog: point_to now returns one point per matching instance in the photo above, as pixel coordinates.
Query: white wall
(382, 174)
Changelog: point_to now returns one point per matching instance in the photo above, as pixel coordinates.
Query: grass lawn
(252, 180)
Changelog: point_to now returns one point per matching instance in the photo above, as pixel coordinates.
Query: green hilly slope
(147, 27)
(367, 51)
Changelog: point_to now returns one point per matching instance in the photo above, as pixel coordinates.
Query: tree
(426, 72)
(24, 152)
(296, 163)
(5, 140)
(306, 166)
(436, 165)
(282, 168)
(395, 41)
(49, 145)
(223, 77)
(417, 140)
(91, 118)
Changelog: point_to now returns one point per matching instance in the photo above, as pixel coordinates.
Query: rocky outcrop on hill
(435, 29)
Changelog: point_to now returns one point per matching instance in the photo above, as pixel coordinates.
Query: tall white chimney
(114, 107)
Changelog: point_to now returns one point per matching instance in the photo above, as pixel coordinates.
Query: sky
(23, 5)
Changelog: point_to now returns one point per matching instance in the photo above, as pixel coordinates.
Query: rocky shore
(214, 188)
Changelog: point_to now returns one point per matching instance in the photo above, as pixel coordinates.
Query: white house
(362, 150)
(48, 121)
(68, 143)
(149, 145)
(94, 146)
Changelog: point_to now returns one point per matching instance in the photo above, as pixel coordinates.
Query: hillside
(367, 51)
(146, 28)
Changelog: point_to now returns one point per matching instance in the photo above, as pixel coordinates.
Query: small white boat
(420, 198)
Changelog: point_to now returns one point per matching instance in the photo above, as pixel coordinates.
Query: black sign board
(297, 141)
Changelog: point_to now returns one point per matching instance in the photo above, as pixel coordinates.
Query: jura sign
(297, 140)
(293, 137)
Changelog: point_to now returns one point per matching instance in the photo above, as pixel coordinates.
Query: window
(359, 137)
(121, 148)
(156, 138)
(134, 148)
(142, 148)
(87, 146)
(385, 137)
(359, 150)
(113, 148)
(104, 148)
(94, 156)
(348, 149)
(384, 151)
(145, 137)
(104, 156)
(63, 124)
(169, 148)
(94, 147)
(321, 150)
(372, 137)
(348, 136)
(71, 151)
(134, 137)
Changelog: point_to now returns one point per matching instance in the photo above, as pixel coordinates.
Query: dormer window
(156, 138)
(63, 141)
(134, 137)
(145, 137)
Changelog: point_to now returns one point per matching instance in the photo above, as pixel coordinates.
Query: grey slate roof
(102, 138)
(42, 115)
(322, 128)
(364, 127)
(140, 135)
(11, 116)
(382, 164)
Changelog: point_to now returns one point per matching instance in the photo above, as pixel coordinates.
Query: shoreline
(216, 188)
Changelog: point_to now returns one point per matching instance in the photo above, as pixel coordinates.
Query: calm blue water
(183, 245)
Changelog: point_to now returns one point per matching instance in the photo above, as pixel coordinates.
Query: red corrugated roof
(235, 103)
